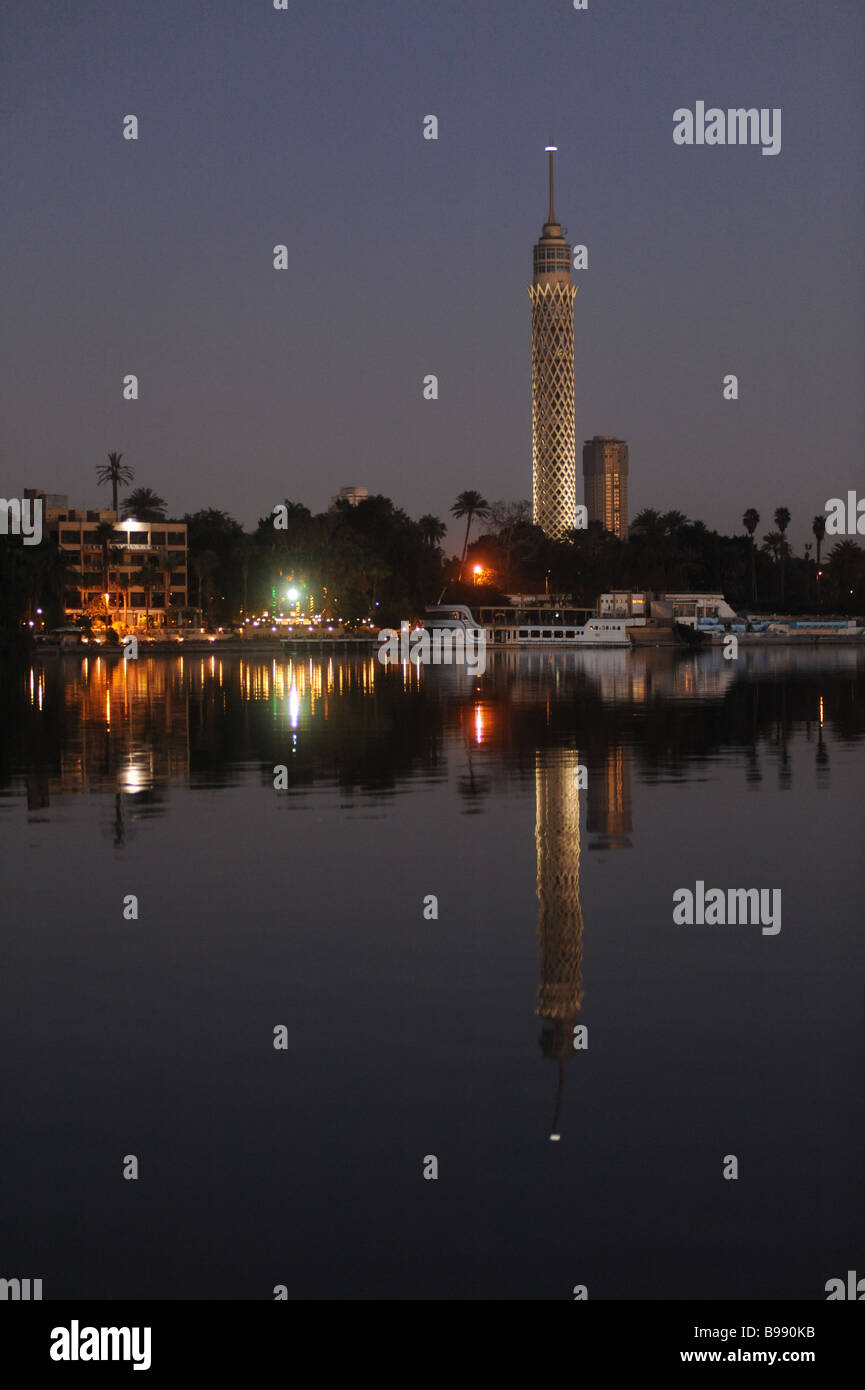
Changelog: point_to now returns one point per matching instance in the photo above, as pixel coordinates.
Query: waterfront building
(691, 609)
(131, 544)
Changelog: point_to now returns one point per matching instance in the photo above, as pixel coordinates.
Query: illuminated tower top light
(551, 150)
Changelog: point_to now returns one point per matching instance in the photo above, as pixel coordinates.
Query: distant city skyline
(407, 256)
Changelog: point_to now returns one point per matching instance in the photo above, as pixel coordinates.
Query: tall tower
(553, 451)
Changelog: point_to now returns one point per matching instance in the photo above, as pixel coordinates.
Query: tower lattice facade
(560, 917)
(553, 446)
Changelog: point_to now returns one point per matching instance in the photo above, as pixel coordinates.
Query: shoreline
(369, 646)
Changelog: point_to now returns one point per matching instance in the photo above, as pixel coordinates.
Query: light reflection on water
(411, 1035)
(135, 725)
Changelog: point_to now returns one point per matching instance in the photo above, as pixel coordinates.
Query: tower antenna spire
(551, 149)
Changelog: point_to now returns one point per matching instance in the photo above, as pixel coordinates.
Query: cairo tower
(553, 450)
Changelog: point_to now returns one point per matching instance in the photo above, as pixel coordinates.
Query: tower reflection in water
(560, 915)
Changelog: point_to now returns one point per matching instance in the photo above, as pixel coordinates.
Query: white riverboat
(542, 626)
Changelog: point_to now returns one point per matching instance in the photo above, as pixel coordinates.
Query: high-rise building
(553, 445)
(605, 478)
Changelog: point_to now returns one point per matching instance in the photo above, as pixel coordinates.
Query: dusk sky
(409, 257)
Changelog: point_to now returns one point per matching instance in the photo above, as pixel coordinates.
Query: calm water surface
(409, 1037)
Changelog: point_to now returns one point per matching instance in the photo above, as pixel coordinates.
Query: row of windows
(558, 633)
(136, 600)
(73, 549)
(171, 538)
(74, 536)
(178, 572)
(91, 577)
(525, 617)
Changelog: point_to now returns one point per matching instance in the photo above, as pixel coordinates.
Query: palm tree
(470, 505)
(818, 526)
(750, 521)
(673, 522)
(847, 570)
(374, 573)
(776, 546)
(204, 565)
(116, 557)
(164, 562)
(144, 505)
(432, 529)
(648, 522)
(105, 535)
(245, 548)
(782, 521)
(47, 572)
(509, 520)
(147, 577)
(114, 472)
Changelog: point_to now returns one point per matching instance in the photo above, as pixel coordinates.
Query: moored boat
(541, 626)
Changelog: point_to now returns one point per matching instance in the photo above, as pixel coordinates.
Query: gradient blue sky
(305, 127)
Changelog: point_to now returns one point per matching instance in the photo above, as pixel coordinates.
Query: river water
(457, 881)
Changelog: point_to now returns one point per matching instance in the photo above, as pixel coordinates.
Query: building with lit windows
(605, 482)
(155, 550)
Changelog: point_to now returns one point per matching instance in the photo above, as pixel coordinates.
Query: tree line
(372, 560)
